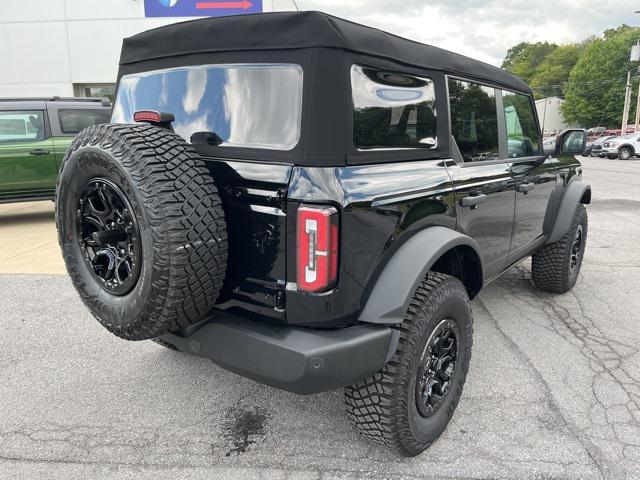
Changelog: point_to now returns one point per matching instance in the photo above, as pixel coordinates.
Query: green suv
(34, 136)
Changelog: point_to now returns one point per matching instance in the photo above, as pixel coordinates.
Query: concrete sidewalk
(28, 239)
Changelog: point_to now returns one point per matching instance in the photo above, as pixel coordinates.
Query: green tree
(594, 94)
(553, 72)
(525, 58)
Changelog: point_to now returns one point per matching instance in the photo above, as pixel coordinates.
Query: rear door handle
(39, 151)
(526, 187)
(473, 200)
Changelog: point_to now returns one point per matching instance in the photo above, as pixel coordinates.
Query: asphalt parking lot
(553, 391)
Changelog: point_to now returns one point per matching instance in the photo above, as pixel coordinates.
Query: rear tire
(400, 407)
(141, 228)
(555, 268)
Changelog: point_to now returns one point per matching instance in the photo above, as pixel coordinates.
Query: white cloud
(483, 29)
(196, 86)
(197, 124)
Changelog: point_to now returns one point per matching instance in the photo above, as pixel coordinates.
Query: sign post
(200, 8)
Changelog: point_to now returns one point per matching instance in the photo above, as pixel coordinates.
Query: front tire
(625, 153)
(555, 268)
(408, 404)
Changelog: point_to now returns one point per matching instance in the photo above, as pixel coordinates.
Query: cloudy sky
(484, 29)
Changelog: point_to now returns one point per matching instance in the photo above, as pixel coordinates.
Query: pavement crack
(605, 467)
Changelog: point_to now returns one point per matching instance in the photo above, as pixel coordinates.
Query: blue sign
(199, 8)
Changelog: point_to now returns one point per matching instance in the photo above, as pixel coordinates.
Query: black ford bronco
(312, 204)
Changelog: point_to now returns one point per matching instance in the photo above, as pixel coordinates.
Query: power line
(598, 84)
(604, 83)
(296, 5)
(615, 61)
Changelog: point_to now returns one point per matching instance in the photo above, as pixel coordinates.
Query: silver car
(623, 147)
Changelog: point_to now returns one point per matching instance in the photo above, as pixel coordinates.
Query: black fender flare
(394, 288)
(577, 192)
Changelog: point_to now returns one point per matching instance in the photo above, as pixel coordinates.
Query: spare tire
(141, 228)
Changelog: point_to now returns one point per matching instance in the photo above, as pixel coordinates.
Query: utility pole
(544, 115)
(627, 101)
(635, 56)
(637, 124)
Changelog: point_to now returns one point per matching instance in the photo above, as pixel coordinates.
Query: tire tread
(186, 221)
(375, 405)
(550, 265)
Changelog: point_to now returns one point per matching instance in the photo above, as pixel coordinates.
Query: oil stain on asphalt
(244, 427)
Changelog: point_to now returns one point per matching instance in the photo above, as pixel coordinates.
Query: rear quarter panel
(381, 206)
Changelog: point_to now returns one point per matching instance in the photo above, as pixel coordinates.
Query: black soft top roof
(297, 30)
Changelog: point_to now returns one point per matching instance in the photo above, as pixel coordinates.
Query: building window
(95, 90)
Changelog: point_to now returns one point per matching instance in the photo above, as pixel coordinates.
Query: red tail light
(146, 116)
(162, 119)
(317, 248)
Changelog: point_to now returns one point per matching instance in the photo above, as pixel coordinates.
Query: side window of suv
(522, 133)
(392, 110)
(474, 120)
(20, 126)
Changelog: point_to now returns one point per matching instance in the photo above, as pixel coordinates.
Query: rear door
(534, 173)
(482, 179)
(27, 162)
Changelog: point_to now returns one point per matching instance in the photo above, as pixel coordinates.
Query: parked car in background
(34, 136)
(623, 147)
(588, 148)
(595, 133)
(549, 144)
(599, 133)
(595, 149)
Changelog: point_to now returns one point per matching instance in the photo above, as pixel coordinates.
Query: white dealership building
(72, 47)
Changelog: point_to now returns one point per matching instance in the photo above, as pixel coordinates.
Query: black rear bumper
(300, 360)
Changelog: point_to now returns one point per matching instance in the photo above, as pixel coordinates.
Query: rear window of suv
(392, 110)
(73, 120)
(238, 105)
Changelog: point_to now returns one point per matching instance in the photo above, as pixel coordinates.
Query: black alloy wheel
(109, 236)
(576, 249)
(437, 367)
